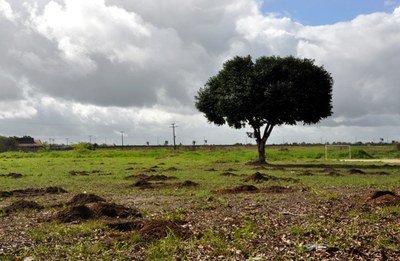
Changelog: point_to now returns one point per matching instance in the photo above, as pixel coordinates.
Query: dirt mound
(229, 174)
(143, 184)
(83, 198)
(356, 171)
(21, 205)
(78, 173)
(259, 177)
(239, 189)
(124, 225)
(54, 190)
(74, 213)
(305, 173)
(103, 209)
(383, 198)
(31, 192)
(12, 175)
(157, 229)
(150, 170)
(159, 178)
(171, 169)
(277, 189)
(188, 183)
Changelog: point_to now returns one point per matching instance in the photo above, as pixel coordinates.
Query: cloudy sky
(73, 69)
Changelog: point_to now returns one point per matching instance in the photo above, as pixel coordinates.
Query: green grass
(107, 171)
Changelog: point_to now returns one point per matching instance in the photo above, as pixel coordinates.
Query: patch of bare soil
(74, 213)
(211, 169)
(356, 171)
(188, 183)
(259, 177)
(157, 229)
(83, 198)
(104, 209)
(85, 172)
(124, 225)
(383, 198)
(277, 189)
(172, 169)
(143, 184)
(239, 189)
(78, 173)
(82, 212)
(22, 205)
(305, 173)
(158, 178)
(228, 174)
(150, 170)
(12, 175)
(31, 192)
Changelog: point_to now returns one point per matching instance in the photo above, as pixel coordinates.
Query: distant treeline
(8, 143)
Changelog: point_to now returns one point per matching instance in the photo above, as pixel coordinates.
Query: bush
(83, 146)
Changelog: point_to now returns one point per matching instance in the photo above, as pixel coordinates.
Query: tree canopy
(270, 91)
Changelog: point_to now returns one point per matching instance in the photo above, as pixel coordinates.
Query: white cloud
(101, 66)
(6, 11)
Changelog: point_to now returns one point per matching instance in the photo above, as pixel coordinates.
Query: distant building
(27, 143)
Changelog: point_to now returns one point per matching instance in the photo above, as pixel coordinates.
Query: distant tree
(270, 91)
(8, 144)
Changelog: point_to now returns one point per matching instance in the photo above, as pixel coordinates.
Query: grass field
(208, 203)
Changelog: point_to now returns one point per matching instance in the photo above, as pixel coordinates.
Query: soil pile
(12, 175)
(188, 183)
(277, 189)
(259, 177)
(228, 174)
(239, 189)
(157, 229)
(92, 206)
(125, 225)
(83, 198)
(74, 213)
(356, 171)
(383, 198)
(22, 205)
(104, 209)
(31, 192)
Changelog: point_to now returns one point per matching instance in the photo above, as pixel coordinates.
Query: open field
(207, 203)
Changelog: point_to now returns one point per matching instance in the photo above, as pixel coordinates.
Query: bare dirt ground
(262, 223)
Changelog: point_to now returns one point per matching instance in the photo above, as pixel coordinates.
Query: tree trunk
(261, 151)
(261, 141)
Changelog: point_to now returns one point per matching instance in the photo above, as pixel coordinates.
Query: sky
(88, 70)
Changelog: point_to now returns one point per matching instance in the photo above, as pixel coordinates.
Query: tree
(8, 144)
(269, 92)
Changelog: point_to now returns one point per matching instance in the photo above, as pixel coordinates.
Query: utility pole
(90, 139)
(122, 140)
(173, 126)
(67, 141)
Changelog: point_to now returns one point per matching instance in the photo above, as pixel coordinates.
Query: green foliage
(83, 146)
(8, 144)
(270, 91)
